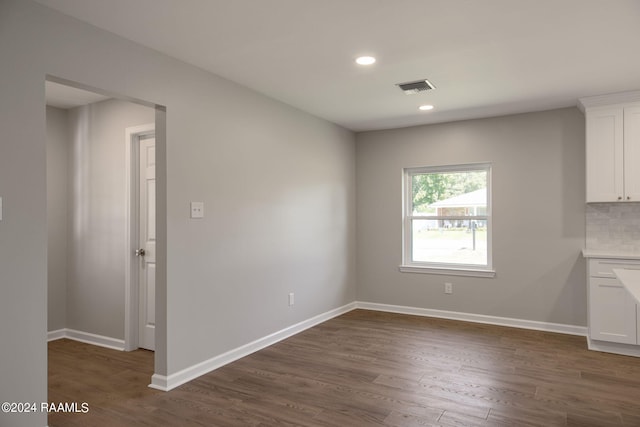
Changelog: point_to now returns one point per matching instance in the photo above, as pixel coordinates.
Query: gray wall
(58, 142)
(538, 215)
(278, 187)
(97, 208)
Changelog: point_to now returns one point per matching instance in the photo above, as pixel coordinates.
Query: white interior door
(147, 244)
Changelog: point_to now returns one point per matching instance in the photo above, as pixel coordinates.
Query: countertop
(597, 253)
(630, 279)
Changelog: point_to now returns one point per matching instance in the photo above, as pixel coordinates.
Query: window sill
(447, 271)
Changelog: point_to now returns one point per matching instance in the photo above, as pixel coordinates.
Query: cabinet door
(612, 312)
(605, 179)
(632, 153)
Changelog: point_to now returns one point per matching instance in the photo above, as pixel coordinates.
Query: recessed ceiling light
(365, 60)
(425, 107)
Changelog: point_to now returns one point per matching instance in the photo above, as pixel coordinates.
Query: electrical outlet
(291, 299)
(448, 288)
(197, 210)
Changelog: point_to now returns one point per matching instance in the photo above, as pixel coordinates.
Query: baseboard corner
(86, 337)
(159, 382)
(56, 335)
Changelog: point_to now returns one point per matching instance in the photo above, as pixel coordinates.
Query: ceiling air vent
(414, 87)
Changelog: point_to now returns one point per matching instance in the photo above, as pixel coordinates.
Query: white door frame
(131, 300)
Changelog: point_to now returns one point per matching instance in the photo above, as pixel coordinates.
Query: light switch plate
(197, 209)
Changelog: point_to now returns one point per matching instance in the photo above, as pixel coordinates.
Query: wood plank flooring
(364, 368)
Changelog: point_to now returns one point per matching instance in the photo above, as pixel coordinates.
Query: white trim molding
(56, 335)
(613, 347)
(86, 337)
(469, 272)
(608, 99)
(166, 383)
(477, 318)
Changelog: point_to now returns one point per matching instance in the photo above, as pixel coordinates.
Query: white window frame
(410, 266)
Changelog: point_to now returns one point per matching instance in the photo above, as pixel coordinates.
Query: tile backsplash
(613, 227)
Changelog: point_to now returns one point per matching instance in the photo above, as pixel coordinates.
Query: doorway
(93, 228)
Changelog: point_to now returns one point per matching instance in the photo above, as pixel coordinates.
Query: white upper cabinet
(605, 155)
(613, 147)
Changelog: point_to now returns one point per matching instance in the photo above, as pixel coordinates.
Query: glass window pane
(449, 193)
(449, 241)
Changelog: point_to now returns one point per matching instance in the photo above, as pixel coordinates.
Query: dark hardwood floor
(361, 369)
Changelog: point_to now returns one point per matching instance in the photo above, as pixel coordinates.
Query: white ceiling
(485, 57)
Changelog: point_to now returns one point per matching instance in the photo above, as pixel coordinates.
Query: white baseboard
(612, 347)
(476, 318)
(166, 383)
(56, 335)
(86, 337)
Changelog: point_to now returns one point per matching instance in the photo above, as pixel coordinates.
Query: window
(447, 220)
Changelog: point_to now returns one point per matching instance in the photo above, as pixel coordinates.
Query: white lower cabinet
(613, 314)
